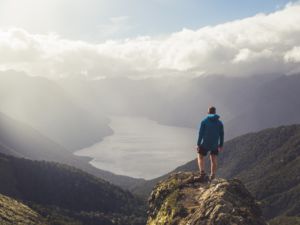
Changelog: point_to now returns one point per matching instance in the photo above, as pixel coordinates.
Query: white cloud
(293, 55)
(254, 45)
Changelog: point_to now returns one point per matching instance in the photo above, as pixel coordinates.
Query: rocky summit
(182, 199)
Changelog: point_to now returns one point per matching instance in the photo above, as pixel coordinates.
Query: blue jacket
(211, 132)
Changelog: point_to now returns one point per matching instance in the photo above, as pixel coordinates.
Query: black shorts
(203, 151)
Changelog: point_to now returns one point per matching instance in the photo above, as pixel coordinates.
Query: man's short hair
(212, 110)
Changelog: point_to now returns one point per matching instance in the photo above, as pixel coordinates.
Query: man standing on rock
(211, 139)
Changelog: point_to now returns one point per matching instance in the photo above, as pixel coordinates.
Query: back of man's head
(212, 110)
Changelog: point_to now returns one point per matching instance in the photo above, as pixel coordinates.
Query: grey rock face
(181, 199)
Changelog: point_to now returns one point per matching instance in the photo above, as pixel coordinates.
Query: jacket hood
(213, 117)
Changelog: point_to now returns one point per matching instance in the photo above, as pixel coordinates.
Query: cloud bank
(262, 44)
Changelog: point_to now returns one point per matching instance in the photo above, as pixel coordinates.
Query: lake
(142, 148)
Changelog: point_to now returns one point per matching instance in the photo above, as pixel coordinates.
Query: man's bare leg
(201, 163)
(213, 165)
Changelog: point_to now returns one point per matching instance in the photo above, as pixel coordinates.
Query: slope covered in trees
(48, 186)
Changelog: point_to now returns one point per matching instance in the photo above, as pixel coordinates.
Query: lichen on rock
(182, 200)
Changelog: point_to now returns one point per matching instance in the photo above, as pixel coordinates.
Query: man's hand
(220, 149)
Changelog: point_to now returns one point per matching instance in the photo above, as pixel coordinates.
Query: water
(142, 148)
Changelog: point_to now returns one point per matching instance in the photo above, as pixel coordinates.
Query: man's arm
(221, 134)
(201, 133)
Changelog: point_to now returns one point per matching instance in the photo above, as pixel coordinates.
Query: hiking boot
(211, 177)
(202, 177)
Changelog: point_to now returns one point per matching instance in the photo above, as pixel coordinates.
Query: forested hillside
(61, 191)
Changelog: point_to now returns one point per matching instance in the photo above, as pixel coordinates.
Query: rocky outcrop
(14, 212)
(182, 200)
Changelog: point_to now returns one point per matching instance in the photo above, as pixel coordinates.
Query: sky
(98, 20)
(149, 38)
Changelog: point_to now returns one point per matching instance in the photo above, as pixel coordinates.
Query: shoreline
(137, 128)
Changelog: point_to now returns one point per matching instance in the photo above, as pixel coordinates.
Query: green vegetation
(268, 162)
(66, 195)
(14, 212)
(285, 220)
(181, 199)
(167, 211)
(58, 216)
(165, 198)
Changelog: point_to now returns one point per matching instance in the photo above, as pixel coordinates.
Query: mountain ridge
(182, 199)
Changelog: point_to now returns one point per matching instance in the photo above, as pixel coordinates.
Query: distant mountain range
(275, 103)
(63, 193)
(73, 112)
(268, 163)
(46, 107)
(246, 104)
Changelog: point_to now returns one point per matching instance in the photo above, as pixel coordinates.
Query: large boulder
(181, 199)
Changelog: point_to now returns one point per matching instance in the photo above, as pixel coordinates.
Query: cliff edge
(182, 200)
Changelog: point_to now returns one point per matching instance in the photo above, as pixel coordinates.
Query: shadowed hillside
(48, 186)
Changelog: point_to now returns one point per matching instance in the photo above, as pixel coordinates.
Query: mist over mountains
(245, 104)
(72, 113)
(42, 104)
